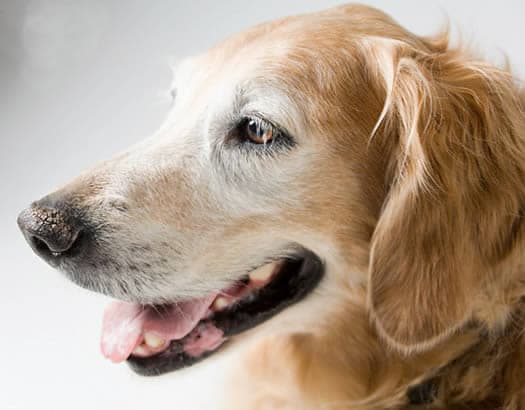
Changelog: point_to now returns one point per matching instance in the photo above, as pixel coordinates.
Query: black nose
(49, 231)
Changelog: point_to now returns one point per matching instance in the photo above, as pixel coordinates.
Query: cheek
(332, 218)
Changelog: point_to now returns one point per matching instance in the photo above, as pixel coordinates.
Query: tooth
(220, 303)
(140, 350)
(263, 273)
(153, 340)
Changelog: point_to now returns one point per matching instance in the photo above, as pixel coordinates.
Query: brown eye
(259, 131)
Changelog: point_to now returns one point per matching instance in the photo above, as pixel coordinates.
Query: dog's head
(301, 158)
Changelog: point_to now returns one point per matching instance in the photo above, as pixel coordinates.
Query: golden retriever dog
(341, 199)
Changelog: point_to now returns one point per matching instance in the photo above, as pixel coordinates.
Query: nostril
(41, 247)
(39, 244)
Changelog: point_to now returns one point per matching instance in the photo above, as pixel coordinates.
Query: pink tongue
(125, 323)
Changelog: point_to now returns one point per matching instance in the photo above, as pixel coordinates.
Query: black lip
(296, 279)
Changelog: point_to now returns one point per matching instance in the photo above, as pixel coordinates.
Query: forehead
(294, 51)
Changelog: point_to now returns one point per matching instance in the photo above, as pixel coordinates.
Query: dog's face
(264, 186)
(249, 171)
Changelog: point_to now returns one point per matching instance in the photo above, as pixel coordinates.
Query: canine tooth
(220, 303)
(263, 273)
(153, 340)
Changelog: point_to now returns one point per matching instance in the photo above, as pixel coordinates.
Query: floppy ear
(452, 197)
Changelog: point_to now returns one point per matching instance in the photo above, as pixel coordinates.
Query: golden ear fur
(456, 191)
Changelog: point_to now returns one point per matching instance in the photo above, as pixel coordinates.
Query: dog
(348, 196)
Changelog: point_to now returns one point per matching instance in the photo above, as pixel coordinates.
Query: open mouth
(157, 339)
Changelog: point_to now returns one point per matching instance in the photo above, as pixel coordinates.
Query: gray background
(82, 79)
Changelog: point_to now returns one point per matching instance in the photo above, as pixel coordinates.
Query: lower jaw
(296, 280)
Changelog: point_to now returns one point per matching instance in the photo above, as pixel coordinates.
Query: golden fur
(408, 180)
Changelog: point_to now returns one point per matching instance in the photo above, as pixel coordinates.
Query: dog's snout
(49, 231)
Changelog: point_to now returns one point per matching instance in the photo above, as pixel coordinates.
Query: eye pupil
(254, 127)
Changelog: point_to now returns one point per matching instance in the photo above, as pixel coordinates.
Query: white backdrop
(80, 80)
